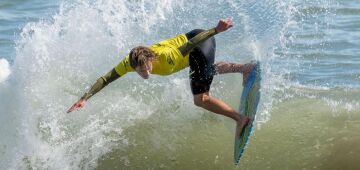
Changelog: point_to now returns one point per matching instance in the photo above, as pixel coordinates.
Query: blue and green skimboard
(248, 105)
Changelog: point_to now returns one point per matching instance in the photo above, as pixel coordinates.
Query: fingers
(78, 105)
(229, 20)
(73, 107)
(227, 23)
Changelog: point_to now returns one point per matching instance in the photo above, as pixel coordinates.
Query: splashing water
(153, 123)
(4, 69)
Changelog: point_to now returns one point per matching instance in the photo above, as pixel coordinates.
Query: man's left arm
(222, 26)
(198, 39)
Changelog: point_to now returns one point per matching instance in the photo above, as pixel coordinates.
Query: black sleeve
(192, 43)
(101, 83)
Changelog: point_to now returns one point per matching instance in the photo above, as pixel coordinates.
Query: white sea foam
(56, 60)
(4, 69)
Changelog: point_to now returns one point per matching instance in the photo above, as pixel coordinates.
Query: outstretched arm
(96, 87)
(222, 26)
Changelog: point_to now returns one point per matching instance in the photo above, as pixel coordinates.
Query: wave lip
(4, 70)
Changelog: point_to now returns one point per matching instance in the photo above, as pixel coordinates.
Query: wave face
(153, 124)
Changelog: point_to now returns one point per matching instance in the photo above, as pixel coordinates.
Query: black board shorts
(201, 61)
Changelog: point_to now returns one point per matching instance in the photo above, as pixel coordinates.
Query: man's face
(145, 70)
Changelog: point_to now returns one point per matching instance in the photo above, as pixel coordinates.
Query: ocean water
(51, 52)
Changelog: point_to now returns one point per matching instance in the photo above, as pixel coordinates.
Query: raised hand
(224, 25)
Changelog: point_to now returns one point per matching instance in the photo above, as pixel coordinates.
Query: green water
(302, 134)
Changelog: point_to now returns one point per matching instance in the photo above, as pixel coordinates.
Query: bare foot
(247, 68)
(244, 121)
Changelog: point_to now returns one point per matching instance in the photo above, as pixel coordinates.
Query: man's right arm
(101, 83)
(121, 69)
(96, 87)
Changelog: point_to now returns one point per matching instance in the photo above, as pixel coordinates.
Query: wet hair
(139, 55)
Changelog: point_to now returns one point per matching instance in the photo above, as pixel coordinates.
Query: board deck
(248, 105)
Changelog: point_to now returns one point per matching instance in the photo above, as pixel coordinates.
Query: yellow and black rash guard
(172, 55)
(168, 57)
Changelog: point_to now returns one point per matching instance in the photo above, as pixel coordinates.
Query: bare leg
(217, 106)
(223, 68)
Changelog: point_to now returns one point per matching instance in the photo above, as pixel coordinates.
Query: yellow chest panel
(168, 58)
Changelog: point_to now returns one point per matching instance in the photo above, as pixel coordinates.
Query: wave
(58, 59)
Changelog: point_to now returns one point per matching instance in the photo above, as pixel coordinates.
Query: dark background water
(14, 15)
(323, 47)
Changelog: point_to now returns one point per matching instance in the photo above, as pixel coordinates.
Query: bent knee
(201, 99)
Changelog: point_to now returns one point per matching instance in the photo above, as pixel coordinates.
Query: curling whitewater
(56, 60)
(307, 114)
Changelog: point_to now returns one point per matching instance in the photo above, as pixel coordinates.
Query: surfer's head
(140, 59)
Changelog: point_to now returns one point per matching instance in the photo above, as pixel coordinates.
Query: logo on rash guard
(170, 61)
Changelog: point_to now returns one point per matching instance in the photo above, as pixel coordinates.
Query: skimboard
(248, 105)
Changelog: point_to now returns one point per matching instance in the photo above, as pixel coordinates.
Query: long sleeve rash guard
(172, 55)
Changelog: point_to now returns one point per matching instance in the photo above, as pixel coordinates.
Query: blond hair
(140, 55)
